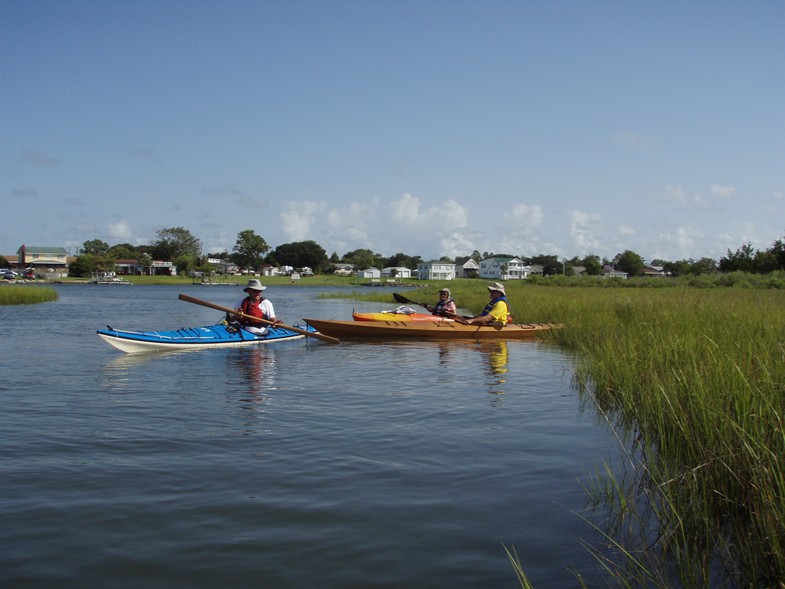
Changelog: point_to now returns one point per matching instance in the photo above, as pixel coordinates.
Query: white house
(611, 272)
(369, 273)
(503, 268)
(436, 270)
(343, 269)
(470, 268)
(397, 272)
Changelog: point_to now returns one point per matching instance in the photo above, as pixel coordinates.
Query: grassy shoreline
(692, 381)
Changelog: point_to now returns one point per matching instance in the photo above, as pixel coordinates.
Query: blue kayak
(194, 338)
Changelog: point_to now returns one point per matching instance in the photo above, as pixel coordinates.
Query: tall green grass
(26, 295)
(693, 382)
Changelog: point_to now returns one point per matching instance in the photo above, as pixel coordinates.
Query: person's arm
(268, 309)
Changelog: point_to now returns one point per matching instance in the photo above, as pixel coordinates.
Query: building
(436, 270)
(611, 272)
(396, 272)
(46, 262)
(503, 268)
(469, 269)
(341, 269)
(369, 273)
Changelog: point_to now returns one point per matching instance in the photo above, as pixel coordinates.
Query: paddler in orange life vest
(257, 306)
(496, 312)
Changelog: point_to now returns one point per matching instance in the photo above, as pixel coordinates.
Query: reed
(26, 295)
(692, 380)
(695, 381)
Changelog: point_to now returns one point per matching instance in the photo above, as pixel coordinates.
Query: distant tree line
(251, 251)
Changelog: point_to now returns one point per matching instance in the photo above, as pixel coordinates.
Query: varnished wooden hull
(382, 330)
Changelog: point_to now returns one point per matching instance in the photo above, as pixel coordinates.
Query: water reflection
(256, 367)
(496, 357)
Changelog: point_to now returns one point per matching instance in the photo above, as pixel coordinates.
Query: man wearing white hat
(497, 311)
(256, 306)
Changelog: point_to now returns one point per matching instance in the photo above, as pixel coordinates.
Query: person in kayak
(445, 307)
(257, 306)
(496, 312)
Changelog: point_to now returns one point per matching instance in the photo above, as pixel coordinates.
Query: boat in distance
(426, 330)
(193, 338)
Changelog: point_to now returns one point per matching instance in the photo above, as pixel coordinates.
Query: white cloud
(120, 231)
(527, 216)
(584, 229)
(626, 230)
(300, 217)
(722, 191)
(682, 242)
(682, 198)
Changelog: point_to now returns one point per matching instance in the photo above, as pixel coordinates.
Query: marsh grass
(692, 380)
(26, 295)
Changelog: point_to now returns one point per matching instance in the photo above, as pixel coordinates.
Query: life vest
(253, 308)
(489, 307)
(439, 308)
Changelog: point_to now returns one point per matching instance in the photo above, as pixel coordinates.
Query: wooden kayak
(397, 315)
(443, 329)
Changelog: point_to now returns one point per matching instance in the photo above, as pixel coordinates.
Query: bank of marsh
(693, 381)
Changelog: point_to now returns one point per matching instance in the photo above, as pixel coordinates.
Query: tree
(704, 266)
(249, 249)
(95, 247)
(778, 250)
(300, 254)
(363, 258)
(592, 264)
(146, 262)
(740, 261)
(175, 242)
(123, 251)
(630, 262)
(401, 260)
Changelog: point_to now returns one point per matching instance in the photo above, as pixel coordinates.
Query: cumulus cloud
(300, 217)
(682, 242)
(584, 230)
(626, 230)
(683, 198)
(120, 231)
(444, 217)
(722, 191)
(528, 216)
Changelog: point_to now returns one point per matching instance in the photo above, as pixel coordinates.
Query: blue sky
(424, 127)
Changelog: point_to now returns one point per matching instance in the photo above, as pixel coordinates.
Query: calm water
(303, 464)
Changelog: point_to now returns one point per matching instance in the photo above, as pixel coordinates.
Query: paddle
(317, 335)
(404, 300)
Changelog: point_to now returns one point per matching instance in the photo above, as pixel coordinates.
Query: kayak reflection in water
(496, 353)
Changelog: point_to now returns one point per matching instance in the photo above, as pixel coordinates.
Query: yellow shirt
(500, 311)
